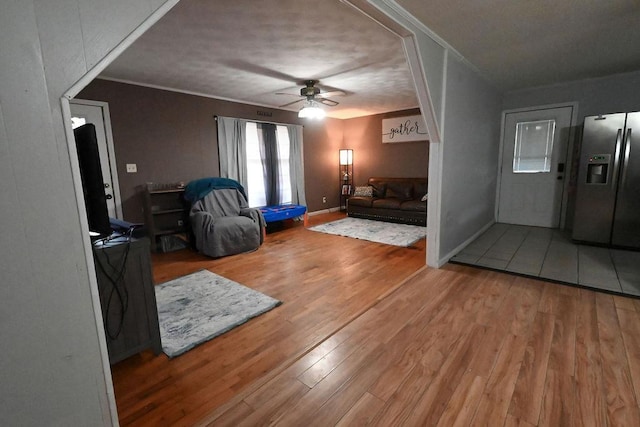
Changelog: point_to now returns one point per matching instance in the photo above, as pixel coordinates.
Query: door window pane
(76, 122)
(533, 146)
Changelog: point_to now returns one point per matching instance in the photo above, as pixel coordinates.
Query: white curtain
(296, 165)
(232, 142)
(232, 150)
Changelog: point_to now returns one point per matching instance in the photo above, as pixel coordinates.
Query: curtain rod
(260, 121)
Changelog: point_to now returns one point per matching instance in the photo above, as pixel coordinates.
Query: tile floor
(551, 254)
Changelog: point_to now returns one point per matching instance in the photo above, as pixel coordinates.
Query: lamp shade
(346, 157)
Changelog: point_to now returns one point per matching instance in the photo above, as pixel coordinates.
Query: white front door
(533, 169)
(97, 113)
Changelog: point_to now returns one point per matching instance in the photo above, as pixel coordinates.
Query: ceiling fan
(311, 92)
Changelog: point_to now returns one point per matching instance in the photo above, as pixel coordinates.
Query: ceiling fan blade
(297, 95)
(291, 103)
(354, 65)
(331, 93)
(327, 102)
(246, 66)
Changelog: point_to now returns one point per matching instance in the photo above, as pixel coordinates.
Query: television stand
(127, 297)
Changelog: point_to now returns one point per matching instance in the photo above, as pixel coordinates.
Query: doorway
(534, 159)
(97, 113)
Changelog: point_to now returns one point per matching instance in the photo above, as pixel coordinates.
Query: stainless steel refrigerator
(608, 189)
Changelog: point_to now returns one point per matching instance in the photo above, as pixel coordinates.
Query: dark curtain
(270, 164)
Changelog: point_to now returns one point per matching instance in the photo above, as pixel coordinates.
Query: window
(533, 146)
(255, 177)
(256, 166)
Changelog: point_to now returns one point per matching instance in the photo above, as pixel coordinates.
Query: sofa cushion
(379, 189)
(387, 203)
(400, 190)
(420, 189)
(414, 206)
(360, 201)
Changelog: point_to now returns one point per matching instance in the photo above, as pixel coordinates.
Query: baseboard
(323, 211)
(445, 259)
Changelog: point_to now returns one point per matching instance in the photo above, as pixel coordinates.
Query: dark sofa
(392, 200)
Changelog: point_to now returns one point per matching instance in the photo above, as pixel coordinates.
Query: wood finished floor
(453, 346)
(324, 282)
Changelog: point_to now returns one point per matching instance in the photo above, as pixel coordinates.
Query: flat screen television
(95, 198)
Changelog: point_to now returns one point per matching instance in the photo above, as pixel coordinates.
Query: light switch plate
(132, 168)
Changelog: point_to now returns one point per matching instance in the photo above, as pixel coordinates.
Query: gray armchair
(224, 224)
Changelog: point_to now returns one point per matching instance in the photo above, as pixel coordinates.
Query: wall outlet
(324, 200)
(132, 168)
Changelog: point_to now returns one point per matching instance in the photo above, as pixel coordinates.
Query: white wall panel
(52, 367)
(101, 31)
(61, 43)
(432, 55)
(156, 3)
(471, 140)
(63, 56)
(51, 361)
(11, 267)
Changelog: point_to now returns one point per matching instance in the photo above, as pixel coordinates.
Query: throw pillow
(365, 191)
(424, 198)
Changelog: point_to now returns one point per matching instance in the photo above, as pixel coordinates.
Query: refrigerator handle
(627, 153)
(615, 177)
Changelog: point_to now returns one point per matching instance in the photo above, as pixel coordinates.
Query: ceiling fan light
(311, 111)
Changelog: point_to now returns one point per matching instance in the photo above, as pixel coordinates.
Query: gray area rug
(375, 231)
(195, 308)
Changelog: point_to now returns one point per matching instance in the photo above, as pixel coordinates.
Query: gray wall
(373, 158)
(172, 137)
(322, 140)
(169, 136)
(469, 153)
(613, 94)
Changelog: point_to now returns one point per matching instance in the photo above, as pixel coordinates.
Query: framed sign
(404, 129)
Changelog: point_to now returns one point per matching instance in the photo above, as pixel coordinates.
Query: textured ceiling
(246, 51)
(525, 43)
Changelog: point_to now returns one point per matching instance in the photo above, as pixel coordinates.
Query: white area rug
(195, 308)
(375, 231)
